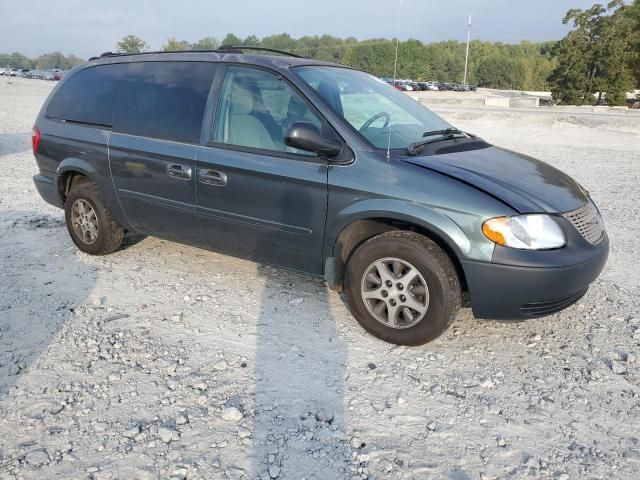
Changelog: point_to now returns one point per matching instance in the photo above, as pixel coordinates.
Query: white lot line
(138, 364)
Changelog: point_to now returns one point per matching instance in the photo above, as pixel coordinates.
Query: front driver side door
(256, 197)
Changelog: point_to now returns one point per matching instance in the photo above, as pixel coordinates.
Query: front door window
(256, 108)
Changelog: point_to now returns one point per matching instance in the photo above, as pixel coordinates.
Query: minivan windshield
(372, 106)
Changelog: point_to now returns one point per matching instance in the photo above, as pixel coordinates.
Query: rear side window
(88, 96)
(164, 100)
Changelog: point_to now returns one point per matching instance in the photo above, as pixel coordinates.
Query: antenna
(466, 57)
(395, 70)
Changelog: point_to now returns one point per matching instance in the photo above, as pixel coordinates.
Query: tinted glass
(88, 96)
(256, 108)
(372, 106)
(164, 100)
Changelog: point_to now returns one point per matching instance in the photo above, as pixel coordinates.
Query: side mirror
(306, 136)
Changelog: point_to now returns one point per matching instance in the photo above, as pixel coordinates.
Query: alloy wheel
(395, 293)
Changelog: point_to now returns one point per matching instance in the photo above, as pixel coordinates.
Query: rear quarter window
(88, 96)
(164, 100)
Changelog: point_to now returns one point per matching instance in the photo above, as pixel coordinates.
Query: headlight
(529, 232)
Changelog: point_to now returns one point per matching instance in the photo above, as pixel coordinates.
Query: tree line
(523, 66)
(48, 61)
(597, 61)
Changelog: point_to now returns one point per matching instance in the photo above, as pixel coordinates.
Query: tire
(108, 234)
(439, 300)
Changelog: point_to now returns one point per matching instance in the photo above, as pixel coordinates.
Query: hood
(524, 183)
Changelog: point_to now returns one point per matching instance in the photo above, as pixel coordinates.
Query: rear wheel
(403, 288)
(89, 221)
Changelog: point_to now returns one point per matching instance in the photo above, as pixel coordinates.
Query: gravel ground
(165, 361)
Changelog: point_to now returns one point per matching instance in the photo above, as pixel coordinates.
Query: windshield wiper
(447, 131)
(448, 134)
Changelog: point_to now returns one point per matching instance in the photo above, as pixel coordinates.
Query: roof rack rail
(222, 49)
(239, 48)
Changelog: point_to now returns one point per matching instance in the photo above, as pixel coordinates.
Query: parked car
(401, 86)
(431, 86)
(382, 198)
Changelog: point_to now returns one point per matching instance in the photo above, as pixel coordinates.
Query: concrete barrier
(524, 102)
(497, 102)
(470, 102)
(519, 103)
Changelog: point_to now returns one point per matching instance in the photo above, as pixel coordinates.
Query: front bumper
(520, 284)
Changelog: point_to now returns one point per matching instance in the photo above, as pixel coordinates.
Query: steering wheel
(368, 123)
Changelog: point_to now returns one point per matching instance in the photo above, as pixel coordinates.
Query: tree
(252, 41)
(231, 39)
(206, 43)
(633, 14)
(71, 61)
(375, 56)
(594, 57)
(281, 41)
(500, 71)
(49, 61)
(132, 44)
(176, 45)
(15, 60)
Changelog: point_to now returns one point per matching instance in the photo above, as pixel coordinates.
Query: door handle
(176, 170)
(212, 177)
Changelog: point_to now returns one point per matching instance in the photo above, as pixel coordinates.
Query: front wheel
(402, 288)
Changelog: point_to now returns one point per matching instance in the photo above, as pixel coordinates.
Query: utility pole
(466, 58)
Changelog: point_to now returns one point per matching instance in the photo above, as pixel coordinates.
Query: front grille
(588, 222)
(540, 309)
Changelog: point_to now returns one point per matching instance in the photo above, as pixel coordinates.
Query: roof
(232, 54)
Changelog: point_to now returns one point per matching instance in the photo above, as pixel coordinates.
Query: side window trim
(210, 138)
(211, 107)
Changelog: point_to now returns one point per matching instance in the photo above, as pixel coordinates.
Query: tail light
(35, 139)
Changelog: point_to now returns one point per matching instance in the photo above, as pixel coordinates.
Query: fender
(101, 178)
(427, 218)
(76, 165)
(436, 221)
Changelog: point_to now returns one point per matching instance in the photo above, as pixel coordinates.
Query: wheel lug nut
(388, 283)
(400, 286)
(392, 302)
(384, 293)
(402, 298)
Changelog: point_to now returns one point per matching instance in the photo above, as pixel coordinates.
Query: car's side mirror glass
(307, 136)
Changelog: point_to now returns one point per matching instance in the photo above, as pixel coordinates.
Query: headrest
(241, 100)
(297, 107)
(330, 93)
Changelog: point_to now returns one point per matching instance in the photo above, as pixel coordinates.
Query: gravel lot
(165, 361)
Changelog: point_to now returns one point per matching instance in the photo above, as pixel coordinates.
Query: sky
(89, 27)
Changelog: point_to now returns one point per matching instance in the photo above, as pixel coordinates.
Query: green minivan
(319, 168)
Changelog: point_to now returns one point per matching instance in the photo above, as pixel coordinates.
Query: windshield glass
(372, 106)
